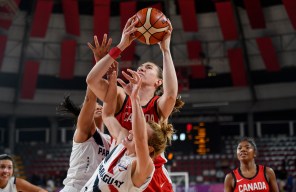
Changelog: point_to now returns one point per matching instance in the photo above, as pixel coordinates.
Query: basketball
(151, 26)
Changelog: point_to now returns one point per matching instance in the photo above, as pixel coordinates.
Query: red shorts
(160, 181)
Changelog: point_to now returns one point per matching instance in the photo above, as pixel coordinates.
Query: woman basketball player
(155, 107)
(249, 176)
(129, 166)
(10, 183)
(90, 144)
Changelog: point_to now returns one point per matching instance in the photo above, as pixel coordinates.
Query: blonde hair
(161, 136)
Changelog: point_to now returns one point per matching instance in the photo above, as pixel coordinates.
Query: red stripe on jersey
(112, 188)
(114, 162)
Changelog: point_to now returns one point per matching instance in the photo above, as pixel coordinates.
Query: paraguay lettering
(103, 151)
(108, 179)
(252, 186)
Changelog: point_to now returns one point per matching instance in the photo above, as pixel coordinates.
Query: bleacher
(279, 153)
(276, 152)
(45, 159)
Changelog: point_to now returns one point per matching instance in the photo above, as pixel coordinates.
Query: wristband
(114, 52)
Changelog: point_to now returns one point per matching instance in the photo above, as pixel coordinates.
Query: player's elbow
(89, 80)
(171, 93)
(171, 97)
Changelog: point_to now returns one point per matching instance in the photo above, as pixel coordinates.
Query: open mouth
(5, 176)
(130, 137)
(141, 74)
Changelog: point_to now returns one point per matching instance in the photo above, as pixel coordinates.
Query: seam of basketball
(147, 30)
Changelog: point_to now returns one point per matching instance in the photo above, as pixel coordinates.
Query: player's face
(98, 115)
(6, 170)
(245, 151)
(98, 111)
(149, 73)
(129, 142)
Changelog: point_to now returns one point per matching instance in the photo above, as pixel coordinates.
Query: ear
(151, 151)
(158, 82)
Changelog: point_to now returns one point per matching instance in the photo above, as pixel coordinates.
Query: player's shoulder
(269, 170)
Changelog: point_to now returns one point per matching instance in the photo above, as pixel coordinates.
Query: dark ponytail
(68, 108)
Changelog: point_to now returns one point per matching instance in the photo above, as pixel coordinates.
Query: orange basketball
(151, 26)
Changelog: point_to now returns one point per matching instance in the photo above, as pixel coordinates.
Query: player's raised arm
(170, 83)
(109, 108)
(94, 77)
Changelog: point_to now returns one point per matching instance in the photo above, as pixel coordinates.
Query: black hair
(68, 107)
(5, 157)
(250, 140)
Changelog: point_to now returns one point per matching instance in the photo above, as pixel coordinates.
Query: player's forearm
(170, 82)
(99, 70)
(86, 115)
(138, 122)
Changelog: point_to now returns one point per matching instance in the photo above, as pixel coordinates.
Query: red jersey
(257, 183)
(160, 180)
(124, 116)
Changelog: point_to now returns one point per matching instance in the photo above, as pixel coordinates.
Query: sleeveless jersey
(10, 187)
(85, 158)
(114, 174)
(257, 183)
(161, 179)
(124, 116)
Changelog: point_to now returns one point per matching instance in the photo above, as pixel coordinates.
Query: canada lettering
(252, 186)
(128, 117)
(108, 179)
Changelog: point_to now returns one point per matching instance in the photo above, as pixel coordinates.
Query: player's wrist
(121, 46)
(165, 51)
(115, 52)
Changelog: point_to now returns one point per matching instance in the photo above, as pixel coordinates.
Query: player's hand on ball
(128, 33)
(165, 43)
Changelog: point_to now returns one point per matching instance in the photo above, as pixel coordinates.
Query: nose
(141, 69)
(6, 170)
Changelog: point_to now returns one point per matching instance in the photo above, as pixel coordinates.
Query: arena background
(235, 62)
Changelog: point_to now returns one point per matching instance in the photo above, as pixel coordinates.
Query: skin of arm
(170, 83)
(228, 183)
(109, 108)
(272, 180)
(144, 164)
(85, 123)
(25, 186)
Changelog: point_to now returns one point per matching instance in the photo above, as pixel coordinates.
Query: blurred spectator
(10, 183)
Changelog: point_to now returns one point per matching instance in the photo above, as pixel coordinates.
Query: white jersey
(115, 174)
(10, 187)
(85, 158)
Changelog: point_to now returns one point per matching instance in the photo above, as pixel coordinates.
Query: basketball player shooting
(158, 92)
